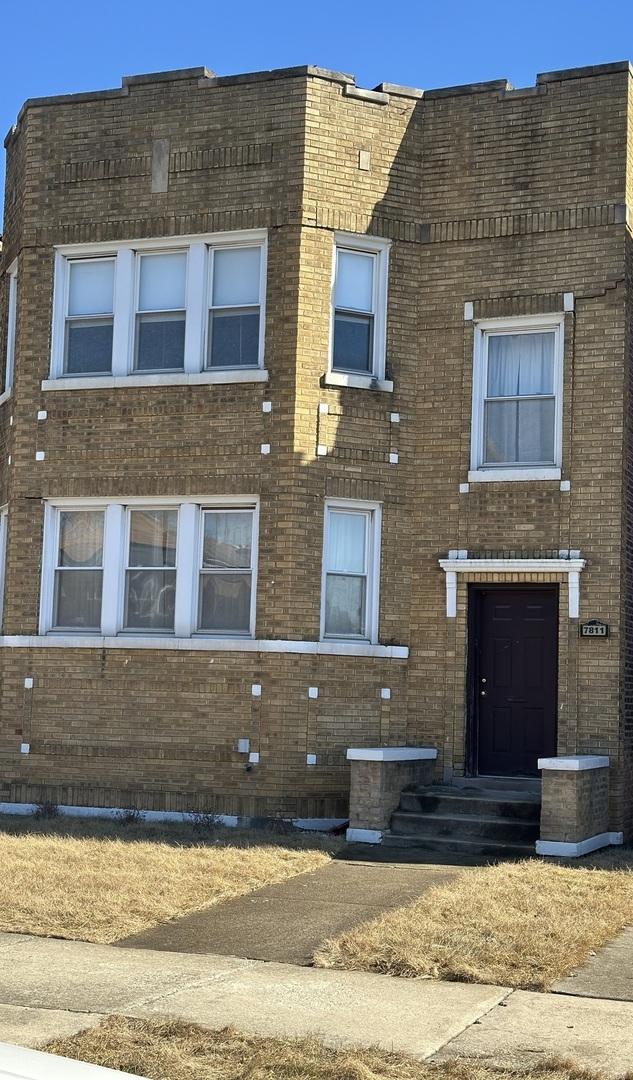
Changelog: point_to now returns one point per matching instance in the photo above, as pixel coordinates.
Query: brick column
(378, 775)
(575, 806)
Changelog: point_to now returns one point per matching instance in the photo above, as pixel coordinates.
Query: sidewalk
(50, 987)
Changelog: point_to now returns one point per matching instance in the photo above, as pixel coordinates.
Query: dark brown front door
(513, 661)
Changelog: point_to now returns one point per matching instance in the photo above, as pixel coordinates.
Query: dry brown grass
(171, 1050)
(520, 924)
(101, 882)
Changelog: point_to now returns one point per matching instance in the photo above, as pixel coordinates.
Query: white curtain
(520, 364)
(227, 539)
(346, 542)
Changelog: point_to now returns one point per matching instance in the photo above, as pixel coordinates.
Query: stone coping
(392, 753)
(574, 763)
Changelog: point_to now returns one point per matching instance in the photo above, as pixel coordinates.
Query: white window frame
(483, 329)
(138, 259)
(209, 307)
(127, 255)
(254, 511)
(379, 249)
(115, 559)
(9, 366)
(373, 511)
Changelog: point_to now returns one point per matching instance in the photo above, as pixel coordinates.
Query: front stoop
(482, 819)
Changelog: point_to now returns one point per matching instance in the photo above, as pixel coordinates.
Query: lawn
(100, 882)
(522, 924)
(170, 1050)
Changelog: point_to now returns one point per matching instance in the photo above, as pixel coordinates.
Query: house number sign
(594, 628)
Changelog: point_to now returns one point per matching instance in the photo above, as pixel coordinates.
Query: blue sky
(72, 45)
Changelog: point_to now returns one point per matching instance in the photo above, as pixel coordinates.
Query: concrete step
(493, 828)
(478, 803)
(421, 846)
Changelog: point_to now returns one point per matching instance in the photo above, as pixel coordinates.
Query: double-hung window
(351, 558)
(178, 309)
(175, 567)
(150, 575)
(517, 398)
(226, 571)
(359, 298)
(234, 311)
(161, 312)
(78, 574)
(12, 298)
(89, 319)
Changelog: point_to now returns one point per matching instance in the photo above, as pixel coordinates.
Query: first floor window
(517, 407)
(150, 568)
(350, 571)
(79, 570)
(226, 571)
(150, 577)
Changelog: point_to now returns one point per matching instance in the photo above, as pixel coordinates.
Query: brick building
(315, 436)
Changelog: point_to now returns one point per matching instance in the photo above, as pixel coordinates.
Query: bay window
(175, 567)
(176, 310)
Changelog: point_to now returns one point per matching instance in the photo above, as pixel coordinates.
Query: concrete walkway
(607, 974)
(50, 987)
(288, 922)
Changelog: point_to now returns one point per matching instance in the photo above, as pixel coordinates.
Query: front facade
(315, 435)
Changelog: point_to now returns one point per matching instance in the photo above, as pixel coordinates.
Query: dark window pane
(78, 599)
(225, 602)
(149, 599)
(160, 342)
(153, 536)
(234, 338)
(353, 342)
(88, 347)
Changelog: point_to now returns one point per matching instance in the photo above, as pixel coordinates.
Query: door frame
(475, 589)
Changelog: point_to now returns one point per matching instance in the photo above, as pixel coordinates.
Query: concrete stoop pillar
(575, 806)
(378, 776)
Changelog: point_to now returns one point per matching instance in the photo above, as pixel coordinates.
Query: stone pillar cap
(392, 753)
(575, 763)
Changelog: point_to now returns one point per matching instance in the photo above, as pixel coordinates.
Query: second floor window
(187, 306)
(359, 300)
(161, 312)
(12, 275)
(517, 395)
(89, 317)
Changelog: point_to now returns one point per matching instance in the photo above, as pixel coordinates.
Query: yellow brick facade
(506, 200)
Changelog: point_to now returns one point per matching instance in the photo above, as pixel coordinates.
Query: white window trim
(115, 561)
(479, 473)
(373, 567)
(379, 247)
(9, 369)
(199, 249)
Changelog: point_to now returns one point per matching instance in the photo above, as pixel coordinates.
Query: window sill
(490, 476)
(120, 382)
(358, 382)
(202, 644)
